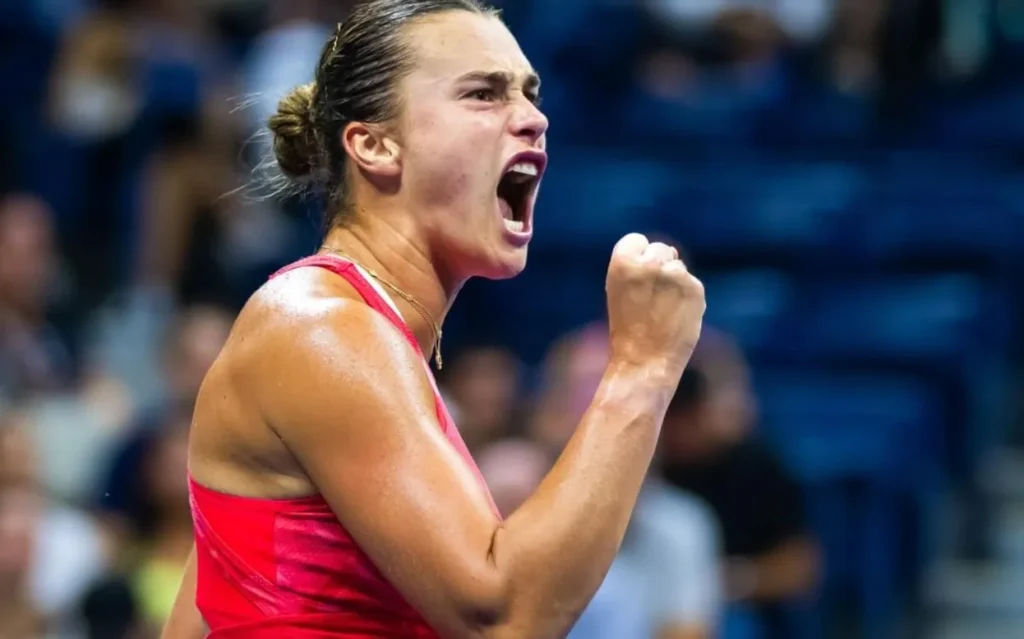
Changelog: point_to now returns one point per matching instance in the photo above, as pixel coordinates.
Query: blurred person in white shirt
(666, 582)
(49, 553)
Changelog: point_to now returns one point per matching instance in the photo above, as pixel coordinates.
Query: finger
(632, 245)
(658, 253)
(674, 267)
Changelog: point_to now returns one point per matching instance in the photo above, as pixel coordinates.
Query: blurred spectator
(670, 555)
(32, 356)
(49, 553)
(137, 600)
(96, 84)
(192, 345)
(109, 611)
(286, 54)
(571, 372)
(708, 448)
(188, 193)
(736, 34)
(165, 534)
(852, 46)
(513, 469)
(125, 71)
(20, 510)
(800, 20)
(483, 385)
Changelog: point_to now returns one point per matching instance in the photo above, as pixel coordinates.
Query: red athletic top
(287, 568)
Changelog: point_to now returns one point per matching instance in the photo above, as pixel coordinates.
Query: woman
(331, 493)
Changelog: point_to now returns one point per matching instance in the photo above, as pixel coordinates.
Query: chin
(505, 265)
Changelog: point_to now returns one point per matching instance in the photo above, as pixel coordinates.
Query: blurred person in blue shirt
(708, 448)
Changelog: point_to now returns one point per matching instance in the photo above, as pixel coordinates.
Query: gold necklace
(419, 308)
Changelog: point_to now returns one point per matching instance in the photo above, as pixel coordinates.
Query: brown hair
(355, 82)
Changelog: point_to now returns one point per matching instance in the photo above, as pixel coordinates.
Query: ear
(372, 149)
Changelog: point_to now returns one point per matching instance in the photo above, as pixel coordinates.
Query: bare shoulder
(304, 353)
(310, 322)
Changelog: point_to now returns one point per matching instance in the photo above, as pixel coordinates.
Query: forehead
(453, 43)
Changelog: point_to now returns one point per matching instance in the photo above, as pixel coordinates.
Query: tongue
(506, 209)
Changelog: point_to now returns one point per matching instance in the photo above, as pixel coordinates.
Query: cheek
(451, 154)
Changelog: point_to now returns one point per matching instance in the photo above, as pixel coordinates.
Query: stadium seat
(748, 305)
(588, 198)
(924, 321)
(789, 215)
(863, 446)
(970, 223)
(836, 427)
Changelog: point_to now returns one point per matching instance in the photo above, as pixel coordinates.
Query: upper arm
(351, 400)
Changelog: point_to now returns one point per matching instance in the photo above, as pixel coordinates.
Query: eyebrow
(502, 78)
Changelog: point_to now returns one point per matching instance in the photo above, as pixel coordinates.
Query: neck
(396, 256)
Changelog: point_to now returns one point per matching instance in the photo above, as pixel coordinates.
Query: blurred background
(843, 458)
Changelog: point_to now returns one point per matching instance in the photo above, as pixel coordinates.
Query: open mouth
(516, 190)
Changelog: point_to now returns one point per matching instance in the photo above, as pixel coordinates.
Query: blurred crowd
(135, 222)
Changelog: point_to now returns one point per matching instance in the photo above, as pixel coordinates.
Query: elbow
(523, 618)
(481, 608)
(510, 599)
(500, 614)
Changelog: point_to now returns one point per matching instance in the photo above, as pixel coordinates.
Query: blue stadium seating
(787, 214)
(750, 305)
(927, 320)
(876, 433)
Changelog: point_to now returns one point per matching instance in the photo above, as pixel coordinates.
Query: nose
(528, 121)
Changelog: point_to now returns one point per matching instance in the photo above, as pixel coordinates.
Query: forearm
(185, 621)
(554, 552)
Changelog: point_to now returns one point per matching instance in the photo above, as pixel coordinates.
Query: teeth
(514, 225)
(525, 168)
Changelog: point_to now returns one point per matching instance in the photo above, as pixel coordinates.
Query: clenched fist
(655, 307)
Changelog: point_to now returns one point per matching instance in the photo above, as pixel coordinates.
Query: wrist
(649, 383)
(654, 373)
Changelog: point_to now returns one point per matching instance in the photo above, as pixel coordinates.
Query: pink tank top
(287, 567)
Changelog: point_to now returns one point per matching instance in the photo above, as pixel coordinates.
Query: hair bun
(295, 140)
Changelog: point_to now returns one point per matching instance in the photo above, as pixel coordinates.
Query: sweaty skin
(284, 413)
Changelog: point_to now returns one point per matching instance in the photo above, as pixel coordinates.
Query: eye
(484, 95)
(534, 98)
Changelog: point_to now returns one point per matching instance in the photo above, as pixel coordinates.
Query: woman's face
(468, 116)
